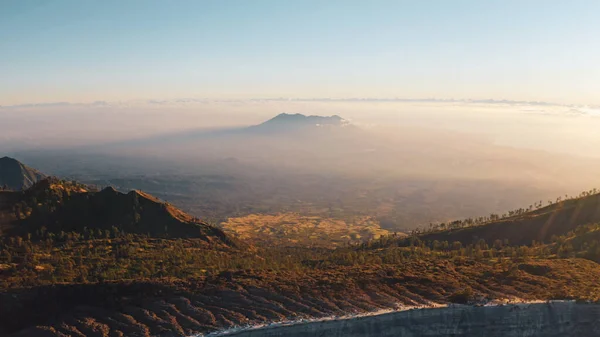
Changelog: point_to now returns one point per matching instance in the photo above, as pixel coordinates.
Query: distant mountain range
(17, 176)
(296, 139)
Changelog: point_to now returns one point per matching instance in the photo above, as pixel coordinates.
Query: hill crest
(61, 206)
(537, 225)
(15, 175)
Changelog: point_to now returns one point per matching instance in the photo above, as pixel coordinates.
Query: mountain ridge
(58, 206)
(15, 175)
(537, 225)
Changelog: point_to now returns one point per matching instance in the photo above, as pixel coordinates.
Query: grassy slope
(293, 229)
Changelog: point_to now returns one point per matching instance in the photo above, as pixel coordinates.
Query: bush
(463, 296)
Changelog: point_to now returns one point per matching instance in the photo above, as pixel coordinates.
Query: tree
(463, 296)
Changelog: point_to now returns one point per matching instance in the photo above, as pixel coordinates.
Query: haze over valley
(426, 162)
(299, 168)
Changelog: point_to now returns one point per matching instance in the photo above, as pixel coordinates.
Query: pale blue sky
(86, 50)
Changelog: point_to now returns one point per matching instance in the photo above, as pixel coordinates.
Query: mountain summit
(287, 122)
(15, 175)
(286, 118)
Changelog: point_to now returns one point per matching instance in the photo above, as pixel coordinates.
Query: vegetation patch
(293, 229)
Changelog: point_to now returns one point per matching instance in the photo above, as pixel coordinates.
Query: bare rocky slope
(175, 307)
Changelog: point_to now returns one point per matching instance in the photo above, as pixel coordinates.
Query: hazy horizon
(81, 73)
(549, 127)
(492, 101)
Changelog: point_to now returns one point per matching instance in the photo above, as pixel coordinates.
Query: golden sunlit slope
(539, 225)
(292, 229)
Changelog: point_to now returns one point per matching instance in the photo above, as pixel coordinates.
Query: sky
(117, 50)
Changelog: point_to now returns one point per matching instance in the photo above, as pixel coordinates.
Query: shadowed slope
(17, 176)
(56, 206)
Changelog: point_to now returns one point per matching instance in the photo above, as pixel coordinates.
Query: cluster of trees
(583, 242)
(98, 255)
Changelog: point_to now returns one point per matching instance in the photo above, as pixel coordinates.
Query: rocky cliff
(540, 319)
